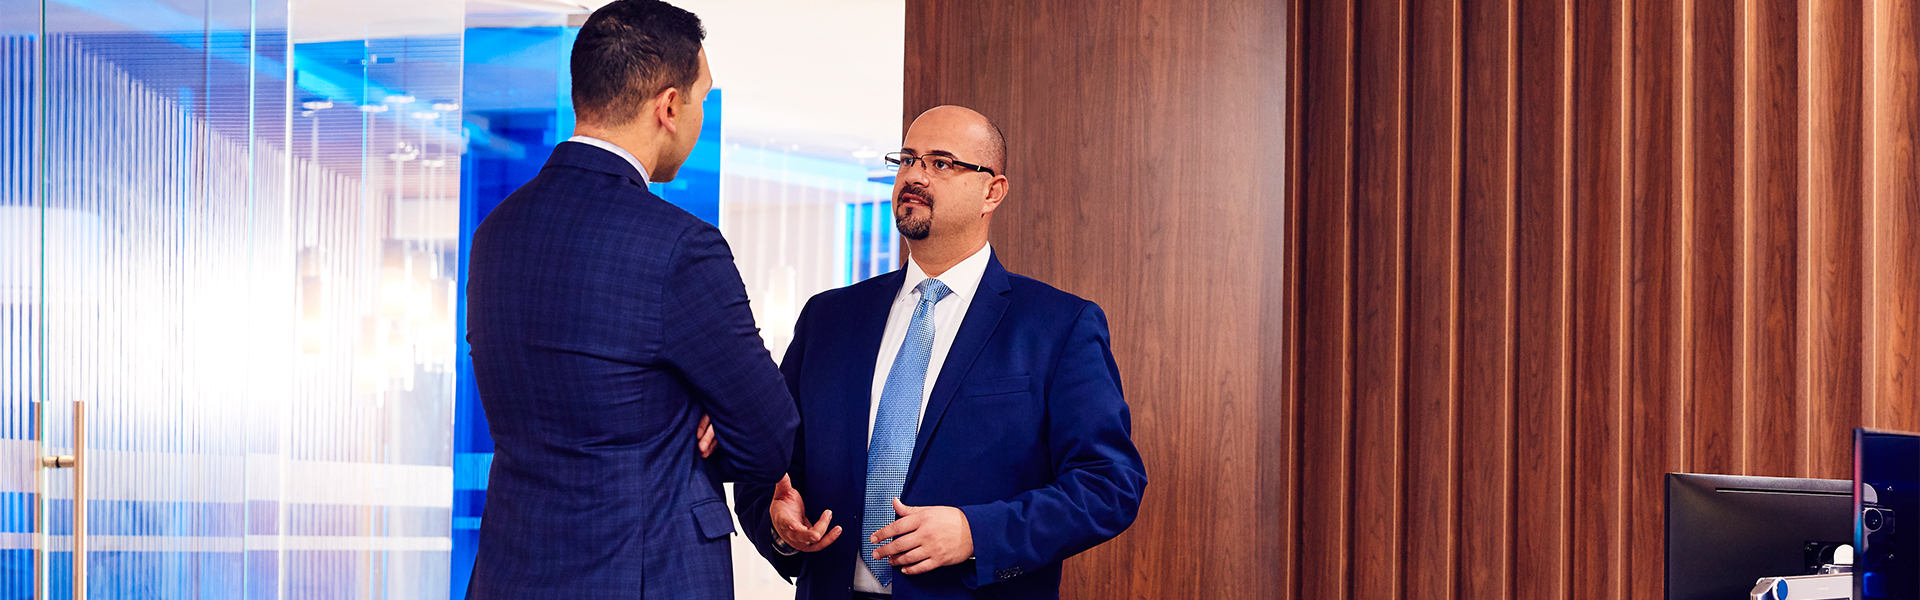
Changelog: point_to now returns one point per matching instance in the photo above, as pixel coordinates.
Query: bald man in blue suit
(965, 424)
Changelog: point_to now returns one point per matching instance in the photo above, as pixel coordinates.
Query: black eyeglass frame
(901, 160)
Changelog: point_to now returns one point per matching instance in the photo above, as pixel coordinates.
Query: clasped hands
(924, 537)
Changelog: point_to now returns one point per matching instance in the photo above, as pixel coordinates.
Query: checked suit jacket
(603, 323)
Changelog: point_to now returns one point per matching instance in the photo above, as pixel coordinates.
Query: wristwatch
(780, 545)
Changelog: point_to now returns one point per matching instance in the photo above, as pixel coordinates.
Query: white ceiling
(821, 74)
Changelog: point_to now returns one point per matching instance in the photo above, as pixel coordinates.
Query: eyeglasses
(944, 166)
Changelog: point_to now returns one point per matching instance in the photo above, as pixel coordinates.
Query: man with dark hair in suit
(605, 325)
(965, 423)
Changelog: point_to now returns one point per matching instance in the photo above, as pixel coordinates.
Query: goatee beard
(912, 228)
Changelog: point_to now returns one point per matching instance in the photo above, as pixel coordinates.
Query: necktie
(896, 424)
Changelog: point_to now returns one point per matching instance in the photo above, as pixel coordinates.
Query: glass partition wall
(228, 248)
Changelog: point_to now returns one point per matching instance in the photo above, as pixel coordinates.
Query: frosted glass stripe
(216, 290)
(133, 543)
(190, 478)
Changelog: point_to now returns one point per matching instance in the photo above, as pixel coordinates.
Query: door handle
(78, 462)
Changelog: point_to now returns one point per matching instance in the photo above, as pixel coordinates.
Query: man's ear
(666, 108)
(996, 191)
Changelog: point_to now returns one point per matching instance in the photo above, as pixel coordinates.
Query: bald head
(964, 126)
(943, 207)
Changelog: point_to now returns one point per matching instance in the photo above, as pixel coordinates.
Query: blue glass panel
(20, 290)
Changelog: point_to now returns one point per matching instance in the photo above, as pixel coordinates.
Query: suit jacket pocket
(713, 518)
(995, 387)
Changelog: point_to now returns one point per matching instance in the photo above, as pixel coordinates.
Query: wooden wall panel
(1325, 286)
(1432, 302)
(1599, 303)
(1833, 54)
(1379, 300)
(1487, 264)
(1658, 376)
(1423, 298)
(1893, 214)
(1776, 415)
(1486, 258)
(1543, 293)
(1715, 205)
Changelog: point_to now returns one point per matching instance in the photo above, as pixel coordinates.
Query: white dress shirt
(964, 280)
(617, 151)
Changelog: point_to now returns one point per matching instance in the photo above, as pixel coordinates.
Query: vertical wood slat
(1599, 300)
(1378, 300)
(1542, 293)
(1325, 286)
(1893, 215)
(1712, 235)
(1833, 55)
(1486, 261)
(1658, 376)
(1432, 306)
(1770, 136)
(1285, 433)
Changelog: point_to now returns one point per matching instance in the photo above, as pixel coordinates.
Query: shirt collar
(963, 278)
(617, 151)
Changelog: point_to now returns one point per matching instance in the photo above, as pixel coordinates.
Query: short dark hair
(628, 52)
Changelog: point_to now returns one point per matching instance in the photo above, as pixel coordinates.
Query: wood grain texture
(1379, 301)
(1715, 298)
(1599, 299)
(1422, 298)
(1325, 330)
(1893, 215)
(1776, 406)
(1432, 311)
(1833, 56)
(1658, 377)
(1486, 448)
(1543, 295)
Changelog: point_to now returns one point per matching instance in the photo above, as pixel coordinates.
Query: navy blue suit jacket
(1026, 432)
(604, 322)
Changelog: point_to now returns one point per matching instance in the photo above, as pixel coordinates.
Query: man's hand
(925, 538)
(708, 439)
(789, 514)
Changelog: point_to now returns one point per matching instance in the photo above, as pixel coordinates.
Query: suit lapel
(869, 324)
(983, 317)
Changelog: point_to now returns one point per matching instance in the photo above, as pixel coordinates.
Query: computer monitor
(1886, 515)
(1725, 532)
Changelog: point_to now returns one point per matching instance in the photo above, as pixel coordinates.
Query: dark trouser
(859, 595)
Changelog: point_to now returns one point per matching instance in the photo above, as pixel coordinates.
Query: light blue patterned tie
(898, 421)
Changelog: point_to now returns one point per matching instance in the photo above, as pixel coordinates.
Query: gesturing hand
(789, 514)
(708, 439)
(925, 538)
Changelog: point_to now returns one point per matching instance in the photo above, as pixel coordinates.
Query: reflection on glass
(248, 228)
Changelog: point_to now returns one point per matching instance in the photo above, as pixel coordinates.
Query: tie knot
(932, 290)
